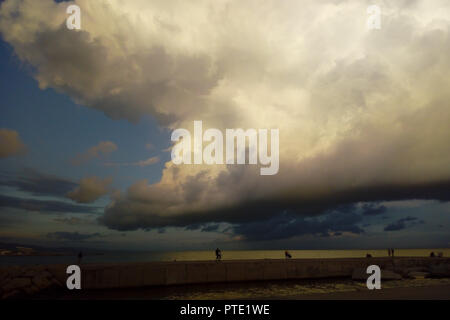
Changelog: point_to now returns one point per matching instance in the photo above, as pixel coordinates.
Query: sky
(87, 115)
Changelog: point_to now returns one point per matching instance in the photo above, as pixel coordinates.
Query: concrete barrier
(129, 275)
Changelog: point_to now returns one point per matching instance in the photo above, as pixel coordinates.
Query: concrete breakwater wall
(17, 281)
(180, 273)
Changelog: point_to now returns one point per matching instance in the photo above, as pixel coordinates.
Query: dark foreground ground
(438, 292)
(327, 289)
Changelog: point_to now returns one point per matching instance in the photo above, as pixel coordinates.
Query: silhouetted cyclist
(218, 254)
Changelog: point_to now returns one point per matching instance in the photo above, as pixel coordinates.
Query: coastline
(32, 280)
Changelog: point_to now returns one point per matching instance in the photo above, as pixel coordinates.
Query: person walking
(218, 254)
(80, 256)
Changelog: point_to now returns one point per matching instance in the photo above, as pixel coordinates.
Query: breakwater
(29, 280)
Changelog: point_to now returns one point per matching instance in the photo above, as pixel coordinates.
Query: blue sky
(364, 157)
(56, 129)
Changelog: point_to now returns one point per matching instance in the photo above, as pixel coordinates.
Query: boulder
(31, 290)
(4, 278)
(16, 283)
(29, 273)
(41, 281)
(11, 294)
(56, 283)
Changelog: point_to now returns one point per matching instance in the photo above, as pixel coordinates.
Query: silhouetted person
(218, 254)
(368, 255)
(287, 255)
(392, 252)
(432, 254)
(80, 256)
(389, 252)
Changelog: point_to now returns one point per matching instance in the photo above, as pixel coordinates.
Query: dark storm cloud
(211, 228)
(75, 221)
(403, 224)
(45, 206)
(71, 236)
(38, 183)
(372, 209)
(265, 209)
(286, 226)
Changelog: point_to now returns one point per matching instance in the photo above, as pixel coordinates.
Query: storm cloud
(38, 183)
(71, 236)
(44, 206)
(363, 115)
(403, 223)
(286, 226)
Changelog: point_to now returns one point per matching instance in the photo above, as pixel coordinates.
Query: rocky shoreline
(27, 281)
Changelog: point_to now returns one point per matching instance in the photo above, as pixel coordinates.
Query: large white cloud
(357, 109)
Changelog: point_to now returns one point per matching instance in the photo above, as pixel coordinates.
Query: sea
(124, 257)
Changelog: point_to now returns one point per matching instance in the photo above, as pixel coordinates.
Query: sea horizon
(207, 255)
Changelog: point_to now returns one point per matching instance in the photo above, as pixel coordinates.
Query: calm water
(210, 255)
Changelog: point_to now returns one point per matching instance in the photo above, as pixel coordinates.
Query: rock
(418, 275)
(41, 281)
(58, 273)
(33, 271)
(9, 273)
(46, 274)
(29, 273)
(361, 275)
(16, 283)
(4, 278)
(31, 290)
(56, 283)
(11, 294)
